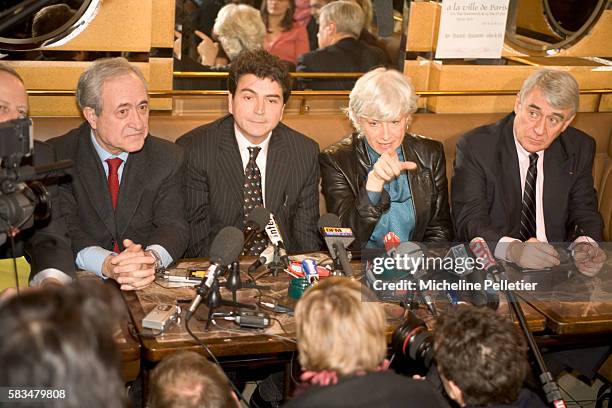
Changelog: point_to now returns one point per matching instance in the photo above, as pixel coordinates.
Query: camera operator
(482, 359)
(45, 245)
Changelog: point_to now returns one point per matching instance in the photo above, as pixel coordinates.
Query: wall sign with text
(472, 28)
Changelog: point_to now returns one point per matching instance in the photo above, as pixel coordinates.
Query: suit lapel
(133, 183)
(229, 162)
(91, 172)
(276, 170)
(510, 177)
(557, 172)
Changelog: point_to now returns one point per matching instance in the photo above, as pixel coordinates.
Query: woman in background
(284, 38)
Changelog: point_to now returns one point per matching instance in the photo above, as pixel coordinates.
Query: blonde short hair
(239, 27)
(381, 94)
(340, 327)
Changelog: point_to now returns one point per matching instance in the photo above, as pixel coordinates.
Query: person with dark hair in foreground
(342, 345)
(482, 359)
(61, 339)
(249, 158)
(187, 379)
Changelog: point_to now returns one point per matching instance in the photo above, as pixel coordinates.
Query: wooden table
(572, 303)
(226, 340)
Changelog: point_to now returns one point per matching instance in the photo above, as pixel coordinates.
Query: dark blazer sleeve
(469, 196)
(439, 227)
(197, 197)
(584, 217)
(353, 207)
(170, 227)
(307, 214)
(48, 246)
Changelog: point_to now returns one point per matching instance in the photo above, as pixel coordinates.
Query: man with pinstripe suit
(251, 137)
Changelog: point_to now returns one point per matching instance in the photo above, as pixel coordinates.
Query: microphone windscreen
(260, 217)
(329, 220)
(227, 246)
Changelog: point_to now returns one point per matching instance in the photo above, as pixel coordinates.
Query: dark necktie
(253, 197)
(528, 211)
(113, 186)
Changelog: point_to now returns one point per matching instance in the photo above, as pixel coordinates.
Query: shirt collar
(521, 150)
(103, 154)
(244, 143)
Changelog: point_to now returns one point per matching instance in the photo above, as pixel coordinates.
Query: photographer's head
(187, 379)
(112, 95)
(62, 338)
(13, 95)
(481, 356)
(340, 328)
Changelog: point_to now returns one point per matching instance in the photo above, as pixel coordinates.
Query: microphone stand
(214, 299)
(549, 385)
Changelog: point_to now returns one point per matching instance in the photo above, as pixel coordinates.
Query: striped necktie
(528, 211)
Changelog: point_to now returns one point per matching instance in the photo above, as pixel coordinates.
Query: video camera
(23, 199)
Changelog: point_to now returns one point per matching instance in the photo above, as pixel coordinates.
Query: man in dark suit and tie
(527, 180)
(248, 158)
(46, 244)
(340, 50)
(124, 202)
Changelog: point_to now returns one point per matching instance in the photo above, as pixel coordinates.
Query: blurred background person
(284, 38)
(381, 178)
(342, 346)
(186, 379)
(49, 19)
(238, 27)
(482, 359)
(62, 338)
(340, 49)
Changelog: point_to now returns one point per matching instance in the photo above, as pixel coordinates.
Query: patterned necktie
(113, 186)
(528, 211)
(253, 197)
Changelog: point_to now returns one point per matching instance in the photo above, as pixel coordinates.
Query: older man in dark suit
(527, 180)
(249, 158)
(45, 244)
(340, 50)
(124, 203)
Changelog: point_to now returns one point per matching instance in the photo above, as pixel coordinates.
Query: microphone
(255, 223)
(337, 239)
(472, 275)
(274, 234)
(266, 256)
(411, 251)
(224, 250)
(481, 250)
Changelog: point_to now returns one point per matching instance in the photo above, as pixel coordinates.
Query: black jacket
(378, 389)
(344, 173)
(347, 55)
(150, 207)
(46, 244)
